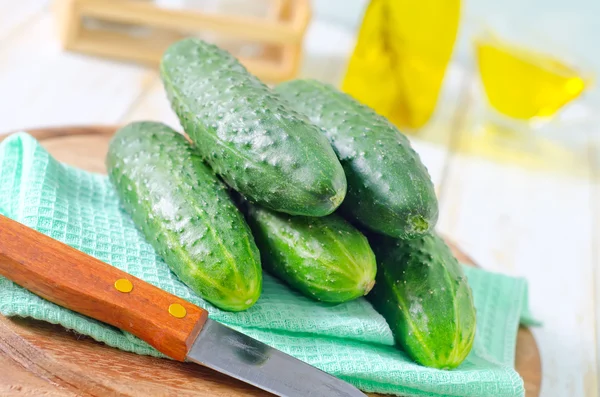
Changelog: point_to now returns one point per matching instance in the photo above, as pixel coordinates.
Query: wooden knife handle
(79, 282)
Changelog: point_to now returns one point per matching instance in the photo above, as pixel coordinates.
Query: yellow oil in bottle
(522, 83)
(399, 62)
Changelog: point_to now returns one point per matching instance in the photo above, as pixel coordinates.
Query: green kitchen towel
(350, 340)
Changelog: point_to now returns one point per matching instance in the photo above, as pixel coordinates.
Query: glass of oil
(525, 88)
(523, 83)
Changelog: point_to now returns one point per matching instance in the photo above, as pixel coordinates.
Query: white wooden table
(538, 221)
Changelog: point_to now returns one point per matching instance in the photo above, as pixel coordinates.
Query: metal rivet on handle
(123, 285)
(176, 310)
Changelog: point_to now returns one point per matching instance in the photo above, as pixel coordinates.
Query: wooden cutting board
(40, 359)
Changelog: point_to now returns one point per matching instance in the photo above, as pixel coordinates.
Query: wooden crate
(270, 45)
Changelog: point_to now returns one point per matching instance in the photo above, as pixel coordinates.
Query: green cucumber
(259, 146)
(422, 292)
(389, 189)
(324, 258)
(184, 211)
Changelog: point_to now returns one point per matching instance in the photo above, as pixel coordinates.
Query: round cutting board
(40, 359)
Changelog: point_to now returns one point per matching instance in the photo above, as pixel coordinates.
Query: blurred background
(499, 98)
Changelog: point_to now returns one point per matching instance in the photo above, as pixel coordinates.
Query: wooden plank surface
(516, 223)
(594, 379)
(488, 206)
(16, 15)
(533, 221)
(35, 71)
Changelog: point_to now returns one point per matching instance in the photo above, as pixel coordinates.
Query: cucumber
(389, 189)
(423, 294)
(259, 146)
(186, 214)
(324, 258)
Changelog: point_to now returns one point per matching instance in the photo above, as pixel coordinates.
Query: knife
(173, 326)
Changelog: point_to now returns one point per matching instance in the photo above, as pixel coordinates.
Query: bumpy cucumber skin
(389, 189)
(423, 294)
(185, 212)
(324, 258)
(251, 138)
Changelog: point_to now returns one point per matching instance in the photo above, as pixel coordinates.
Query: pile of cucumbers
(301, 180)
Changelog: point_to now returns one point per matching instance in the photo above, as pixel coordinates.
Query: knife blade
(173, 326)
